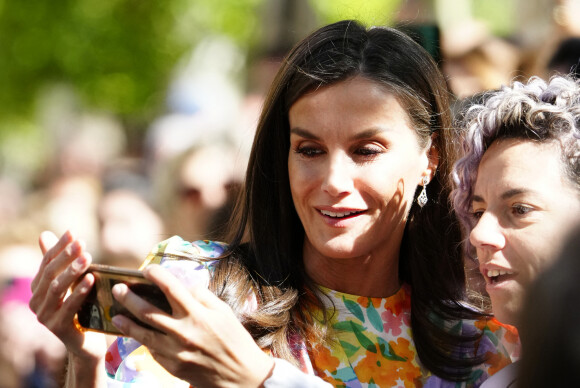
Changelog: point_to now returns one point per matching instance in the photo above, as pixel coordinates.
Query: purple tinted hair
(537, 111)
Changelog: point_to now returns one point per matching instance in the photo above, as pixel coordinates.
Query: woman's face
(524, 206)
(354, 164)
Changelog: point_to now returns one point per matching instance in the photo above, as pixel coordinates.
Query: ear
(433, 156)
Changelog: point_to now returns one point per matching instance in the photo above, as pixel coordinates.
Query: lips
(341, 214)
(496, 275)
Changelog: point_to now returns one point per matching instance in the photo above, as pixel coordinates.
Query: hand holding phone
(100, 306)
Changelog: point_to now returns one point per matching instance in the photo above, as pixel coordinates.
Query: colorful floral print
(126, 360)
(373, 348)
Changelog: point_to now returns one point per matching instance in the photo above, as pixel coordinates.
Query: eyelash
(308, 152)
(521, 210)
(311, 152)
(476, 215)
(368, 151)
(518, 210)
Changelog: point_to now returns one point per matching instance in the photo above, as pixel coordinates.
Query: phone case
(100, 306)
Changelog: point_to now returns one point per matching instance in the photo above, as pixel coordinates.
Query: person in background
(550, 322)
(566, 58)
(128, 220)
(343, 265)
(517, 186)
(194, 188)
(30, 355)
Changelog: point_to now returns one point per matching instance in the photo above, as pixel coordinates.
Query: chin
(506, 316)
(507, 307)
(339, 251)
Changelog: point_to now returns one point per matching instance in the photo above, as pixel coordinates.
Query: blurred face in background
(129, 227)
(203, 182)
(524, 206)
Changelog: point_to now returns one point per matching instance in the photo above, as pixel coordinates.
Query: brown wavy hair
(266, 235)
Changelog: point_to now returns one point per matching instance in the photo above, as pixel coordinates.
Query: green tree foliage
(117, 54)
(370, 12)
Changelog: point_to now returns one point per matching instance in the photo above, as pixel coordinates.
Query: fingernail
(117, 322)
(83, 286)
(78, 263)
(76, 246)
(119, 289)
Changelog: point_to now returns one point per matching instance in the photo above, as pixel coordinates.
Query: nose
(337, 180)
(487, 233)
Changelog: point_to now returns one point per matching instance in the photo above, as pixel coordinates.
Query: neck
(372, 275)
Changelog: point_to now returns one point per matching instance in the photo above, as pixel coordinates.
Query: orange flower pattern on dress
(512, 335)
(374, 345)
(366, 301)
(497, 362)
(325, 360)
(510, 338)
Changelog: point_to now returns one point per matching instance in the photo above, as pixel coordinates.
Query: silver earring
(422, 198)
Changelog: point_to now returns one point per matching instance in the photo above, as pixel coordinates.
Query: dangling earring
(422, 198)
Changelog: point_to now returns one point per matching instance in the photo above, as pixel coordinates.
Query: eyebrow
(304, 133)
(505, 195)
(366, 134)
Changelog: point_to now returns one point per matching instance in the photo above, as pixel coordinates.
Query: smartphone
(100, 306)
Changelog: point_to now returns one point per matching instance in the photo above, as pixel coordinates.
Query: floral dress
(374, 345)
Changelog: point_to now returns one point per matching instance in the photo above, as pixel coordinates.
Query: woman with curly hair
(517, 185)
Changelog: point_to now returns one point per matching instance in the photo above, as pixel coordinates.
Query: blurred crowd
(181, 180)
(123, 195)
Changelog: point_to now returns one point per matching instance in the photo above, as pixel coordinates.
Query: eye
(308, 151)
(519, 209)
(476, 214)
(368, 151)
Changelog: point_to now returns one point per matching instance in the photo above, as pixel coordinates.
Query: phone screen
(100, 306)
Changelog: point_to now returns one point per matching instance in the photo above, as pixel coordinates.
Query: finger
(78, 295)
(71, 275)
(54, 315)
(140, 308)
(51, 288)
(50, 247)
(204, 296)
(179, 296)
(53, 266)
(73, 255)
(47, 240)
(134, 330)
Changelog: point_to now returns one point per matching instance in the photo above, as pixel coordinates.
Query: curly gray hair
(538, 111)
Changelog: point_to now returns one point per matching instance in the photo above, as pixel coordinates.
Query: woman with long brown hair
(344, 256)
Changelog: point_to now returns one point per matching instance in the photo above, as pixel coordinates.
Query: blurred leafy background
(119, 56)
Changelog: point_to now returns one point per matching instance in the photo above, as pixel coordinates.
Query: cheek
(390, 187)
(299, 180)
(293, 175)
(540, 247)
(378, 190)
(303, 175)
(529, 255)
